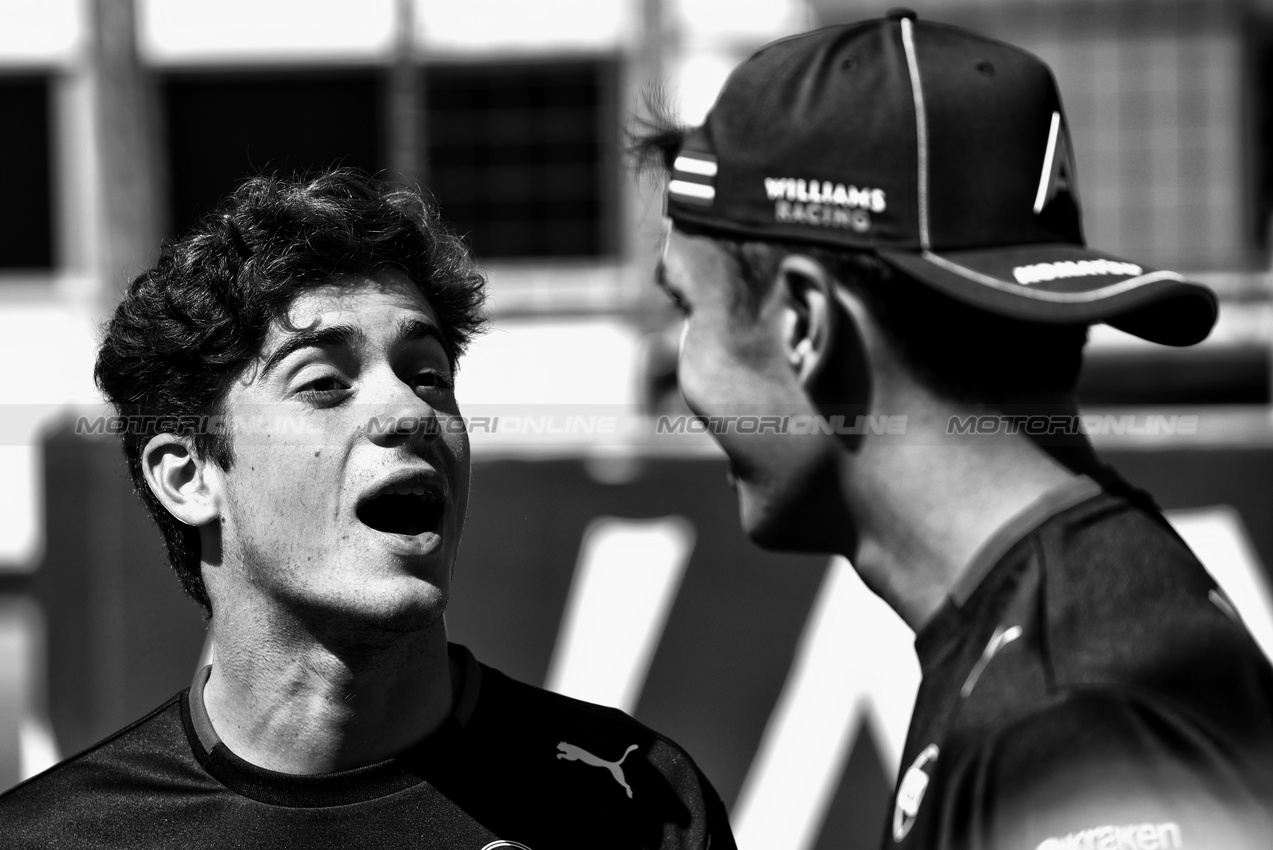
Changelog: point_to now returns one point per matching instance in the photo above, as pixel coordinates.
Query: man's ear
(825, 340)
(821, 330)
(807, 323)
(185, 484)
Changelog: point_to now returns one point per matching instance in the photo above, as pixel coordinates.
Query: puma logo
(570, 752)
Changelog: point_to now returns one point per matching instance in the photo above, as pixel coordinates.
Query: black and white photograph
(636, 424)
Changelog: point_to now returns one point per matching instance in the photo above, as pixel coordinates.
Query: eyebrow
(413, 330)
(338, 336)
(335, 336)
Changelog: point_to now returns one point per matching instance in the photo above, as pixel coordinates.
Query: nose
(398, 414)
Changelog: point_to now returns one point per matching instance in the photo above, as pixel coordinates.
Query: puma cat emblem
(570, 752)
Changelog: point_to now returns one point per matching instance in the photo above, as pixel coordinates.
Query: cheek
(687, 381)
(693, 366)
(456, 439)
(284, 481)
(713, 372)
(457, 445)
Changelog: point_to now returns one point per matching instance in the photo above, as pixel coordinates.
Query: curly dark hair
(956, 350)
(189, 326)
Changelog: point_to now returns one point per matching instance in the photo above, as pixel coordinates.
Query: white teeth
(408, 490)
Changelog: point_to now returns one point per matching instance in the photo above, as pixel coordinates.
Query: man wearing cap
(879, 221)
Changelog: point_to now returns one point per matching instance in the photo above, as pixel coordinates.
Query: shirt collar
(1062, 497)
(464, 700)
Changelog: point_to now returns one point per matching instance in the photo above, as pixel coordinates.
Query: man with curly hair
(876, 244)
(287, 374)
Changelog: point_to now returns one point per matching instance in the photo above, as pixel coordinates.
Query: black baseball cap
(944, 152)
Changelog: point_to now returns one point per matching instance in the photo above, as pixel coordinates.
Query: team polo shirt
(1087, 686)
(513, 766)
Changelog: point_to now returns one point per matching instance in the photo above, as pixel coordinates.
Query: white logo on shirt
(1001, 637)
(911, 793)
(497, 845)
(570, 752)
(1136, 836)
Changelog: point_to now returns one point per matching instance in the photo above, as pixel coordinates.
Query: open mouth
(409, 512)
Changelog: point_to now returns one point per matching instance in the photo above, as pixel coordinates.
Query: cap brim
(1068, 284)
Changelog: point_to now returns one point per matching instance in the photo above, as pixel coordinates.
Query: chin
(774, 537)
(385, 610)
(768, 527)
(421, 610)
(791, 524)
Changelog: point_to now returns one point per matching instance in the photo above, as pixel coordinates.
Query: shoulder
(109, 777)
(1108, 526)
(1092, 762)
(1135, 707)
(142, 745)
(598, 758)
(1125, 604)
(580, 725)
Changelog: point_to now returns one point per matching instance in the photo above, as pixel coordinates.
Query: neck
(298, 703)
(926, 509)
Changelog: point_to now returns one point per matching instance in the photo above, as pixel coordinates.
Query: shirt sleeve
(1095, 771)
(720, 835)
(705, 823)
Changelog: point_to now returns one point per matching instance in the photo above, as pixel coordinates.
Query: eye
(433, 381)
(323, 391)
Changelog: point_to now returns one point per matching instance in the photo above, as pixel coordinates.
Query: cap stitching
(921, 130)
(1046, 295)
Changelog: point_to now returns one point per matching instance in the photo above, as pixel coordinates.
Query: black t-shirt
(513, 766)
(1087, 687)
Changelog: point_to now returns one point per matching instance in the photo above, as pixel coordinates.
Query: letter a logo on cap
(1058, 167)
